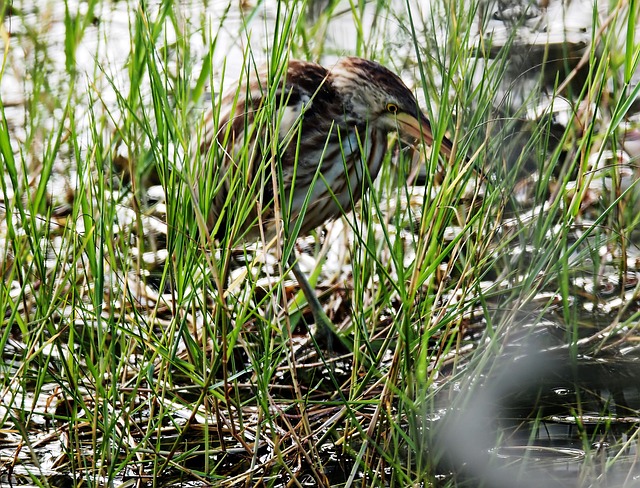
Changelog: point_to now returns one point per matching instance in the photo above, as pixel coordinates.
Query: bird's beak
(420, 130)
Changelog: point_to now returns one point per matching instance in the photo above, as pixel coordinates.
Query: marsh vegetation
(492, 301)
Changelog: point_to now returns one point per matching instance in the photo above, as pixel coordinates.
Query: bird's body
(301, 150)
(322, 126)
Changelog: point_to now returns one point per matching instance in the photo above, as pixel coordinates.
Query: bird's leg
(326, 332)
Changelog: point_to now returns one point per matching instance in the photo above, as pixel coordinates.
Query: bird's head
(376, 95)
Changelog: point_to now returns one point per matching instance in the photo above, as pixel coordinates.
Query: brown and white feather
(326, 136)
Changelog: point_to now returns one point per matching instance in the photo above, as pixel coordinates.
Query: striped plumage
(330, 122)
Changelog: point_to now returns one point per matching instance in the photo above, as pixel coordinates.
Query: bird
(301, 147)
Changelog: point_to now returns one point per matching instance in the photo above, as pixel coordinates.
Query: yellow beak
(420, 130)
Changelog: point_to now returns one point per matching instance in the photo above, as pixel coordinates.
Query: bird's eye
(392, 108)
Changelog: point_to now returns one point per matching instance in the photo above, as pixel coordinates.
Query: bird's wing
(257, 131)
